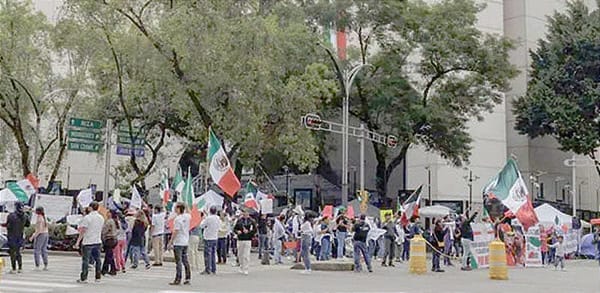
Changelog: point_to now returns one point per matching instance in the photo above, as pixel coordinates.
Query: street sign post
(127, 151)
(84, 123)
(84, 146)
(84, 135)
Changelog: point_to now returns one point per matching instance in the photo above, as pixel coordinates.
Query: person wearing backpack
(15, 224)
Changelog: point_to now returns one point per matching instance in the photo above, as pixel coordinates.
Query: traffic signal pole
(314, 122)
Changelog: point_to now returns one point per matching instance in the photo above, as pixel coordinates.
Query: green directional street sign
(123, 128)
(84, 123)
(85, 135)
(121, 139)
(84, 146)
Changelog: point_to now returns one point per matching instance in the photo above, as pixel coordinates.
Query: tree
(433, 71)
(34, 99)
(562, 97)
(246, 68)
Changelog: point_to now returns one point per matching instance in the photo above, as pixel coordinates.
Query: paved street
(581, 276)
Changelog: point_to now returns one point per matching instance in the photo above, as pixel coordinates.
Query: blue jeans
(341, 243)
(361, 248)
(181, 259)
(136, 253)
(90, 251)
(222, 250)
(277, 244)
(263, 244)
(406, 250)
(371, 247)
(325, 248)
(210, 251)
(435, 261)
(305, 253)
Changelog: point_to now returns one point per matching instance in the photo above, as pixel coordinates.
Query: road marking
(19, 289)
(38, 284)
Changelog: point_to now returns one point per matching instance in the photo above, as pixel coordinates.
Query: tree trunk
(23, 148)
(61, 154)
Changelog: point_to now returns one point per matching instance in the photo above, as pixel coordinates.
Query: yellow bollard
(498, 269)
(416, 263)
(1, 266)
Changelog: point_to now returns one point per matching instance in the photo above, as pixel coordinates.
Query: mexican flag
(164, 188)
(509, 187)
(21, 190)
(178, 181)
(219, 168)
(410, 208)
(249, 198)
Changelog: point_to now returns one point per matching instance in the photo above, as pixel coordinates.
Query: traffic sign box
(84, 146)
(85, 135)
(85, 123)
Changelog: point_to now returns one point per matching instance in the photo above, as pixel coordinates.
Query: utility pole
(107, 154)
(470, 179)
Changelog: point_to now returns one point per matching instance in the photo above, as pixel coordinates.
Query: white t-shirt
(158, 223)
(182, 226)
(93, 223)
(211, 227)
(306, 229)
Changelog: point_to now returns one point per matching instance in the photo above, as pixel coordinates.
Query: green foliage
(562, 97)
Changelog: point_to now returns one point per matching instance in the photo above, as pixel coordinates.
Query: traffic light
(392, 141)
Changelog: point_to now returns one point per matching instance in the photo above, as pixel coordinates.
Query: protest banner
(483, 234)
(56, 207)
(382, 214)
(533, 253)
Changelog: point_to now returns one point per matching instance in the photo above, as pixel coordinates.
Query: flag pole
(207, 164)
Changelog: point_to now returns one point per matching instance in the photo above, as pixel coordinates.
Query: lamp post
(428, 168)
(286, 169)
(354, 179)
(348, 79)
(582, 182)
(470, 179)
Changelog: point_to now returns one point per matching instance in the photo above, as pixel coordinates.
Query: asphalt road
(580, 276)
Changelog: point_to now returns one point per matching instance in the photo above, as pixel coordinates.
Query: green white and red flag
(165, 191)
(219, 167)
(510, 189)
(21, 190)
(410, 207)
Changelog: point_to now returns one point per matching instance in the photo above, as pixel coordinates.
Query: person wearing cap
(90, 237)
(361, 230)
(210, 233)
(40, 239)
(245, 228)
(15, 224)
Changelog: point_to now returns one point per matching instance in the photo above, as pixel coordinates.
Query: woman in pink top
(40, 239)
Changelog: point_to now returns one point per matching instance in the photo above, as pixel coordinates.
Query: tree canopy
(563, 98)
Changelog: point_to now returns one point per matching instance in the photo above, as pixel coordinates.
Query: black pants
(91, 251)
(222, 250)
(14, 251)
(109, 260)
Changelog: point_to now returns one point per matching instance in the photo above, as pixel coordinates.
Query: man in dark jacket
(389, 240)
(245, 228)
(467, 239)
(437, 243)
(15, 224)
(361, 229)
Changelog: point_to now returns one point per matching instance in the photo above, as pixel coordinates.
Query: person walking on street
(278, 238)
(245, 228)
(193, 248)
(136, 243)
(389, 240)
(306, 237)
(90, 237)
(119, 249)
(263, 237)
(342, 227)
(361, 230)
(467, 239)
(40, 239)
(211, 225)
(15, 224)
(157, 233)
(179, 242)
(224, 229)
(448, 241)
(324, 237)
(437, 236)
(109, 241)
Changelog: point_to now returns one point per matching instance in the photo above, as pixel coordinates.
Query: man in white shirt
(90, 231)
(158, 231)
(179, 242)
(210, 226)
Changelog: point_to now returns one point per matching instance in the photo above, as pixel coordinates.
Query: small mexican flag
(21, 190)
(249, 198)
(410, 208)
(220, 170)
(164, 188)
(178, 181)
(187, 195)
(509, 187)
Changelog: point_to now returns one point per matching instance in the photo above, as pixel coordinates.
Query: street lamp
(354, 180)
(470, 179)
(286, 169)
(428, 168)
(582, 182)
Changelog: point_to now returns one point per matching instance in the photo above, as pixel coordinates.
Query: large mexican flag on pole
(510, 189)
(219, 168)
(20, 191)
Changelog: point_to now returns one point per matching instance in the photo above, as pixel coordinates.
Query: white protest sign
(533, 253)
(55, 207)
(266, 206)
(483, 234)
